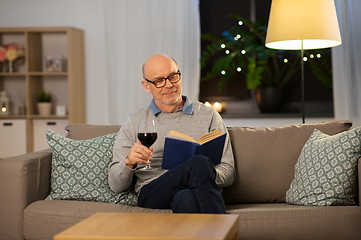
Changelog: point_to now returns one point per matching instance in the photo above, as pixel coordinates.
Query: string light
(223, 72)
(237, 37)
(243, 51)
(312, 56)
(240, 23)
(227, 51)
(285, 60)
(318, 55)
(305, 59)
(239, 69)
(223, 45)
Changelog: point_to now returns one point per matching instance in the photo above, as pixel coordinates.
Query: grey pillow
(325, 173)
(80, 170)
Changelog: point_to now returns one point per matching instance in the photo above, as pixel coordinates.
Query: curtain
(133, 31)
(119, 36)
(346, 61)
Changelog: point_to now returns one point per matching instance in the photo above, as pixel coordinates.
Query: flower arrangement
(11, 52)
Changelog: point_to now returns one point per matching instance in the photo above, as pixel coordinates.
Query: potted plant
(244, 51)
(44, 103)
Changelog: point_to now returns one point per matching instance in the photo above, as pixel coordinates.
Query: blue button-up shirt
(187, 107)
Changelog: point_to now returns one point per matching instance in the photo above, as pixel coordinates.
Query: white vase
(44, 108)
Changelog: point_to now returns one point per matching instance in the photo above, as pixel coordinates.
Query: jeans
(186, 188)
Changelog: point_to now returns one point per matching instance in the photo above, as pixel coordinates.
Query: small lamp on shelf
(4, 103)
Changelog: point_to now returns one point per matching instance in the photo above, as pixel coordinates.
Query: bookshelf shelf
(67, 87)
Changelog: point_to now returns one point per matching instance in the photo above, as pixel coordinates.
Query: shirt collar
(187, 107)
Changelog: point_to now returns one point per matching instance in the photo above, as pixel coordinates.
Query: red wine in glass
(147, 135)
(147, 139)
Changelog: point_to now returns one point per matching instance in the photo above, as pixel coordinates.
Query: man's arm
(225, 170)
(127, 153)
(120, 176)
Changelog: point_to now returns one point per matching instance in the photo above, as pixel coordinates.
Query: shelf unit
(67, 87)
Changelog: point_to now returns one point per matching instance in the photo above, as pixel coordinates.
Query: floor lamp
(302, 25)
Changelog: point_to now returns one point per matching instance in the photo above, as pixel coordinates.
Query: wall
(119, 37)
(83, 14)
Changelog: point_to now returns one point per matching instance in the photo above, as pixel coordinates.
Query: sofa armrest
(23, 179)
(359, 181)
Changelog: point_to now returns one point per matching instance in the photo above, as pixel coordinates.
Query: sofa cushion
(80, 170)
(86, 131)
(44, 219)
(283, 221)
(265, 159)
(325, 173)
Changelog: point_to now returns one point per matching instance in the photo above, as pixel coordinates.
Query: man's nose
(168, 83)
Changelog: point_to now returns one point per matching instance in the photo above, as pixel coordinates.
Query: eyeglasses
(161, 82)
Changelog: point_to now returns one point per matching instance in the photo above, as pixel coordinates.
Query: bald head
(158, 61)
(168, 98)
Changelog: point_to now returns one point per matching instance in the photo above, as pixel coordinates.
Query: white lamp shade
(313, 22)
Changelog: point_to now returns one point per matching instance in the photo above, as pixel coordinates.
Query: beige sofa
(265, 160)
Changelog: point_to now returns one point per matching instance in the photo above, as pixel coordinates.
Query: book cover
(179, 147)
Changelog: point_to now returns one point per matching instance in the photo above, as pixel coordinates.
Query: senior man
(191, 187)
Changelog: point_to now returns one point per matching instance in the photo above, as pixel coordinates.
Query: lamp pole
(303, 83)
(314, 22)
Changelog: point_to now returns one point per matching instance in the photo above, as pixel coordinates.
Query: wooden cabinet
(29, 78)
(41, 125)
(12, 137)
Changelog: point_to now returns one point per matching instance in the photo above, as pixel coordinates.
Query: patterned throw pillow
(325, 173)
(80, 170)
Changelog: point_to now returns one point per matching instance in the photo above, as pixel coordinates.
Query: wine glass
(147, 136)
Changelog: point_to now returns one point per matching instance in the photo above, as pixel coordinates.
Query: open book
(179, 147)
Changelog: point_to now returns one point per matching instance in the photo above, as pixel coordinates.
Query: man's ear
(146, 86)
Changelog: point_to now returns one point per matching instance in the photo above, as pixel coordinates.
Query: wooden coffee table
(153, 226)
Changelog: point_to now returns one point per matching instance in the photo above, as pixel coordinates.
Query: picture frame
(54, 63)
(61, 110)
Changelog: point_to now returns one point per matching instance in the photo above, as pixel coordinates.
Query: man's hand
(139, 153)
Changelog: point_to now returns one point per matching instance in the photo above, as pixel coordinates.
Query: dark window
(214, 19)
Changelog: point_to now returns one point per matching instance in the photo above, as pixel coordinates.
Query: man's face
(171, 94)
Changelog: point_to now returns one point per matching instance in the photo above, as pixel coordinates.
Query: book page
(209, 136)
(181, 136)
(203, 139)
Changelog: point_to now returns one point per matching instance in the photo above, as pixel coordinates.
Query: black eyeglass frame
(165, 79)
